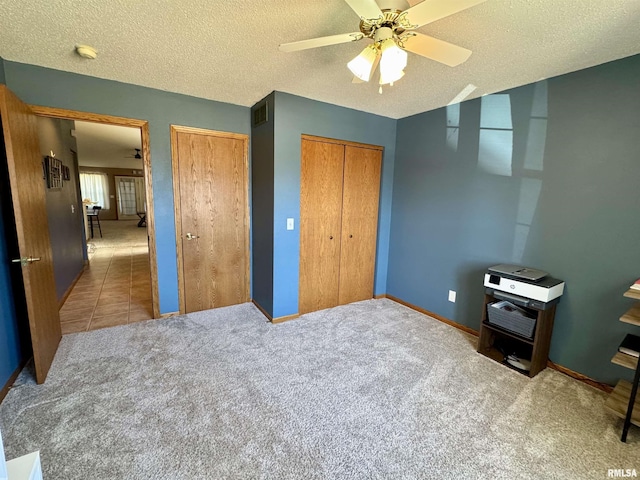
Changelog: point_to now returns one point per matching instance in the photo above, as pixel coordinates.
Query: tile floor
(115, 289)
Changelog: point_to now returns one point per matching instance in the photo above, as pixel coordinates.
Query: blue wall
(262, 141)
(11, 354)
(295, 116)
(545, 175)
(53, 88)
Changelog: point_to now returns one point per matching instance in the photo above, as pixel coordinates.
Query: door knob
(190, 236)
(24, 261)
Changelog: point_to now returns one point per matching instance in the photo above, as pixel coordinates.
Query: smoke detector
(85, 51)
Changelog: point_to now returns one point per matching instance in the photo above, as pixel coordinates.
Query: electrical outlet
(452, 296)
(289, 223)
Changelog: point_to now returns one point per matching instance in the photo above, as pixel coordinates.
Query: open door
(19, 128)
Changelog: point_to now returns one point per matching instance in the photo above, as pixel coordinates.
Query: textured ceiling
(228, 50)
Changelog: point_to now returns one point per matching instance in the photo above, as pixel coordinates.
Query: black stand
(632, 401)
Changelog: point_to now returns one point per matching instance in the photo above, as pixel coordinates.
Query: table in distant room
(143, 219)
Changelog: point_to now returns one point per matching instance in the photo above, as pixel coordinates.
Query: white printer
(523, 286)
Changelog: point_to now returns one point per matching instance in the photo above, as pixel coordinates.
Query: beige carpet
(370, 390)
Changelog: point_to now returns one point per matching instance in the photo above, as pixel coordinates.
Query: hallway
(115, 289)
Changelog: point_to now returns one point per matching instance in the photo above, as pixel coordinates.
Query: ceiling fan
(391, 24)
(137, 155)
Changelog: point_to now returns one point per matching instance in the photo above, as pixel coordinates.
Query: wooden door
(320, 224)
(24, 162)
(211, 196)
(359, 223)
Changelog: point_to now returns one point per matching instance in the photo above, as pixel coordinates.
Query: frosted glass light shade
(392, 63)
(362, 65)
(390, 80)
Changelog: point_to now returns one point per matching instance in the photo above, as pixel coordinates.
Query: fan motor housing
(391, 10)
(397, 5)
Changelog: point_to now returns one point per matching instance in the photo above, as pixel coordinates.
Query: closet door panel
(359, 223)
(320, 222)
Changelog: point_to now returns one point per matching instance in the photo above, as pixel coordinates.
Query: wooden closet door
(320, 219)
(359, 223)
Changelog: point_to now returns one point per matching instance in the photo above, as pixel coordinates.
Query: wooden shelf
(632, 294)
(498, 356)
(632, 316)
(624, 360)
(618, 402)
(507, 333)
(493, 354)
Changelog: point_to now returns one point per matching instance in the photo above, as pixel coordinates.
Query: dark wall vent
(261, 114)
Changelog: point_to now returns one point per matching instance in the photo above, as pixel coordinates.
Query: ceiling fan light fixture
(362, 65)
(392, 63)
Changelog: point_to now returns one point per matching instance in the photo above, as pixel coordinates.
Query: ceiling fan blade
(438, 50)
(432, 10)
(321, 42)
(366, 9)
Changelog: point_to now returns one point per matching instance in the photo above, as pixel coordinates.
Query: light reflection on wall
(495, 152)
(531, 181)
(453, 126)
(496, 155)
(537, 138)
(527, 205)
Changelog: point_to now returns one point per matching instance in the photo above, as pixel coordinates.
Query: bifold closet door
(361, 190)
(320, 224)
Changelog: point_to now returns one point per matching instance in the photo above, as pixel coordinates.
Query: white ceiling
(228, 50)
(107, 145)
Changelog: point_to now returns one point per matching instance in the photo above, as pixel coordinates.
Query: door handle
(24, 261)
(190, 236)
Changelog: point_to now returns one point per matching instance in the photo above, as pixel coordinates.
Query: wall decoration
(66, 173)
(54, 172)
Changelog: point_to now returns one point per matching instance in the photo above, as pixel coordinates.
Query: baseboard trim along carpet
(580, 377)
(567, 371)
(286, 318)
(457, 325)
(7, 386)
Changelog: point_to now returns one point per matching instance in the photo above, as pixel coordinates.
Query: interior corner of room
(531, 175)
(326, 205)
(523, 175)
